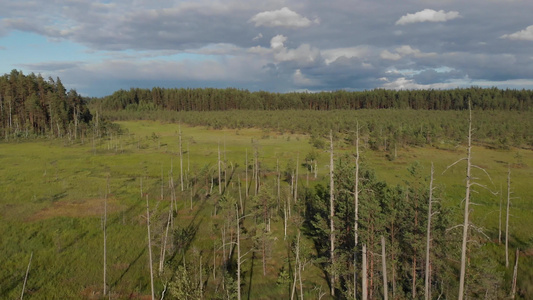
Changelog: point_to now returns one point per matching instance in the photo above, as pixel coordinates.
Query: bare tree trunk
(181, 159)
(246, 174)
(507, 217)
(26, 277)
(285, 217)
(427, 290)
(238, 254)
(384, 266)
(240, 195)
(466, 223)
(331, 216)
(257, 179)
(297, 269)
(364, 275)
(214, 261)
(149, 247)
(219, 172)
(164, 245)
(515, 274)
(105, 238)
(296, 179)
(500, 218)
(278, 181)
(162, 183)
(356, 212)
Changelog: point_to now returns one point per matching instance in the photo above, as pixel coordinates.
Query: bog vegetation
(227, 194)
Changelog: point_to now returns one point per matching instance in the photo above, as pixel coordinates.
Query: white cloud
(404, 50)
(386, 54)
(301, 80)
(526, 34)
(331, 55)
(428, 15)
(277, 41)
(280, 18)
(258, 37)
(304, 55)
(403, 83)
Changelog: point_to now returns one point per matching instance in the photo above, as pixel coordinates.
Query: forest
(230, 194)
(30, 105)
(210, 99)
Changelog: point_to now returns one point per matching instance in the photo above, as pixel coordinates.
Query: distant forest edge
(211, 99)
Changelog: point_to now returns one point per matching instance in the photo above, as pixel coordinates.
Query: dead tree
(515, 274)
(466, 220)
(181, 159)
(105, 237)
(500, 218)
(427, 290)
(356, 212)
(296, 180)
(246, 175)
(164, 244)
(26, 277)
(219, 172)
(507, 217)
(237, 220)
(149, 247)
(331, 216)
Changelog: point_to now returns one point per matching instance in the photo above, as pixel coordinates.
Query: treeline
(210, 99)
(31, 105)
(383, 129)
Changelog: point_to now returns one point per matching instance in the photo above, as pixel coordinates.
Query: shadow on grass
(129, 267)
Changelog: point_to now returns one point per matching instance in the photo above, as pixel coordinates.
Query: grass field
(52, 203)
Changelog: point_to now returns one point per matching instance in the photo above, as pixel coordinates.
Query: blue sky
(98, 47)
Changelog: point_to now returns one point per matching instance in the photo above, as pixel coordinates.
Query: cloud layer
(280, 45)
(428, 15)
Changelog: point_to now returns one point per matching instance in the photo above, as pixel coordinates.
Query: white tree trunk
(149, 247)
(507, 217)
(356, 212)
(331, 216)
(181, 159)
(105, 243)
(219, 172)
(427, 290)
(238, 254)
(515, 274)
(26, 277)
(296, 179)
(466, 221)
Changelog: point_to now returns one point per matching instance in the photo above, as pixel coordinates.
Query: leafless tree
(507, 217)
(427, 293)
(149, 247)
(515, 274)
(26, 277)
(331, 216)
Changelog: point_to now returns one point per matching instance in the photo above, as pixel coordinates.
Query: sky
(98, 47)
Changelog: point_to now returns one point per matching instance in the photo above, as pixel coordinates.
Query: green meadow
(53, 193)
